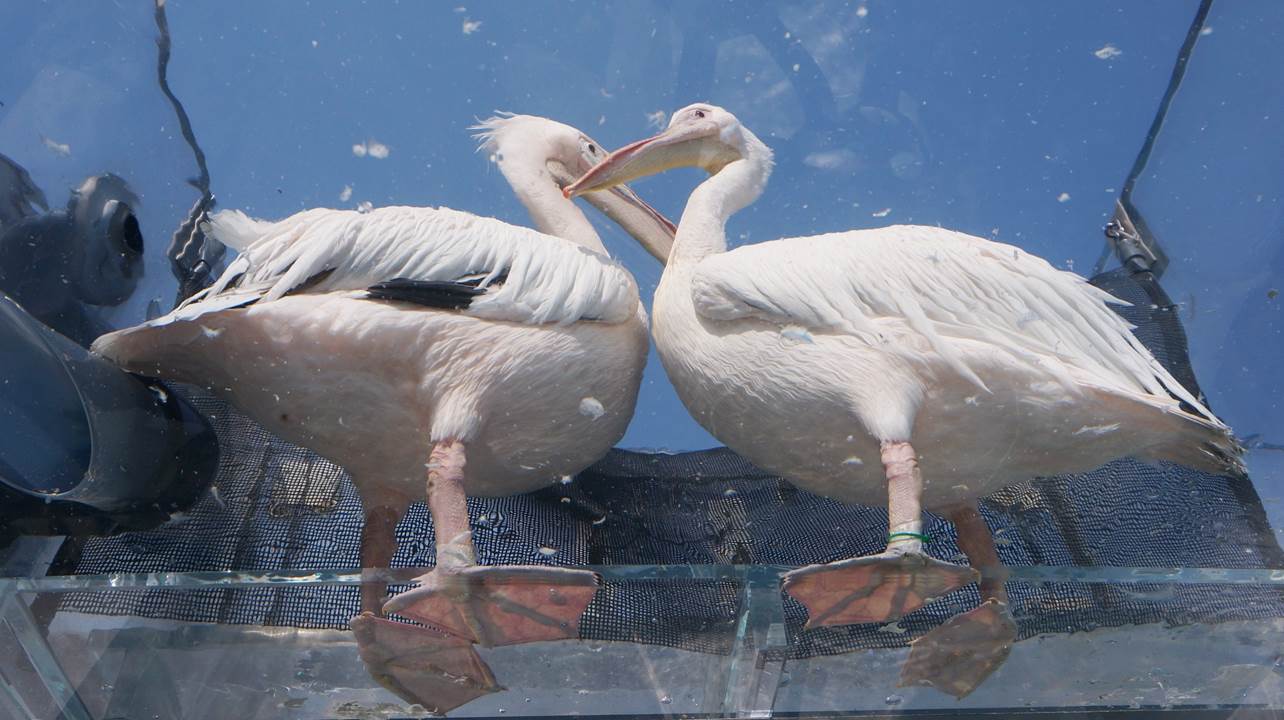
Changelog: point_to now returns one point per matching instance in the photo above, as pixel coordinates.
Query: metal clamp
(1132, 244)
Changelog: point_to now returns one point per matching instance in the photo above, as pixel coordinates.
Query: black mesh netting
(279, 507)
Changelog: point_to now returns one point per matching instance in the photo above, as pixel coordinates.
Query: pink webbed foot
(875, 588)
(500, 605)
(422, 665)
(958, 656)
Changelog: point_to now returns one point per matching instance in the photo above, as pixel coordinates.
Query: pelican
(908, 365)
(499, 358)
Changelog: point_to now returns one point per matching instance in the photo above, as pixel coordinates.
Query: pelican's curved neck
(703, 229)
(551, 213)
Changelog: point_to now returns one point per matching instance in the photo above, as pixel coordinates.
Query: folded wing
(943, 285)
(520, 275)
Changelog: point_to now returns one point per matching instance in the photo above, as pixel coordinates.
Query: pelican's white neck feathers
(703, 229)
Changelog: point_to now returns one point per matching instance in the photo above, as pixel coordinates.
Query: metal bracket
(1133, 244)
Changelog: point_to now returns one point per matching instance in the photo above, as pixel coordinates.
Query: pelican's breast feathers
(943, 285)
(510, 273)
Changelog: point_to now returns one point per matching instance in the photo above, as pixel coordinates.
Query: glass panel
(1212, 193)
(183, 669)
(1127, 563)
(124, 659)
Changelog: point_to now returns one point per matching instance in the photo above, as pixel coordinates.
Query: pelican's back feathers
(942, 284)
(528, 277)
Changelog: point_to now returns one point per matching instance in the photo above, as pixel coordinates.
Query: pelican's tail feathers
(235, 229)
(164, 351)
(1160, 429)
(1199, 443)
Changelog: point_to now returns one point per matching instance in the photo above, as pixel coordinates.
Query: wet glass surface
(197, 671)
(976, 117)
(1126, 586)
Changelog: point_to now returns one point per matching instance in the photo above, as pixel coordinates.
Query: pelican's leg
(958, 656)
(487, 605)
(419, 665)
(883, 587)
(378, 545)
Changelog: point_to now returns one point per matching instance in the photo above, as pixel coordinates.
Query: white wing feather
(944, 285)
(546, 279)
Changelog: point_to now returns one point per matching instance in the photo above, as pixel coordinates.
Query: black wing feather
(444, 294)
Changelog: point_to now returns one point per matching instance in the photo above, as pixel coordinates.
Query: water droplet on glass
(566, 479)
(665, 699)
(796, 333)
(853, 460)
(591, 407)
(490, 520)
(547, 551)
(894, 700)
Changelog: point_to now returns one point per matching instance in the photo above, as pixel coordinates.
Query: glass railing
(88, 665)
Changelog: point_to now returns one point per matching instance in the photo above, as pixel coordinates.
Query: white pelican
(908, 365)
(499, 358)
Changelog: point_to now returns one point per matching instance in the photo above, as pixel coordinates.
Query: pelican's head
(699, 135)
(532, 145)
(532, 150)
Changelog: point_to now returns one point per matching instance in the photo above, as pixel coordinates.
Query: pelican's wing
(506, 272)
(943, 285)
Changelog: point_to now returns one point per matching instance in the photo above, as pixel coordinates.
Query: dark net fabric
(279, 507)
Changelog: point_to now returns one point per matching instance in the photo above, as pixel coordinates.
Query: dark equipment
(57, 264)
(84, 447)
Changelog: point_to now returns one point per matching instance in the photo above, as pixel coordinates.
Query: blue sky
(1017, 121)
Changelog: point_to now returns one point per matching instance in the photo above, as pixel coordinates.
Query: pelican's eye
(591, 149)
(699, 113)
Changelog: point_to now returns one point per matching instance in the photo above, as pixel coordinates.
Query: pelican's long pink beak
(628, 196)
(681, 145)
